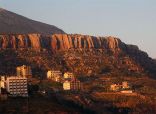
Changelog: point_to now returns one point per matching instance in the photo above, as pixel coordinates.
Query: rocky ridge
(106, 46)
(59, 42)
(22, 36)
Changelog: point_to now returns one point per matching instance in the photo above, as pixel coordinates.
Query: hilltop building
(68, 75)
(125, 85)
(115, 87)
(66, 85)
(120, 87)
(54, 75)
(17, 86)
(2, 82)
(24, 71)
(73, 85)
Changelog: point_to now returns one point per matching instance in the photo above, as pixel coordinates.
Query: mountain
(59, 42)
(44, 47)
(74, 52)
(98, 62)
(12, 23)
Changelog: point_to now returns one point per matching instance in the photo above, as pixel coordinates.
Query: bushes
(126, 104)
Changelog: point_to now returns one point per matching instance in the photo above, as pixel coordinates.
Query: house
(72, 85)
(120, 87)
(24, 71)
(115, 87)
(125, 85)
(68, 75)
(17, 86)
(66, 85)
(54, 75)
(2, 82)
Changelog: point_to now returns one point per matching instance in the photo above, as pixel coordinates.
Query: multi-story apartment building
(17, 86)
(54, 75)
(73, 85)
(24, 71)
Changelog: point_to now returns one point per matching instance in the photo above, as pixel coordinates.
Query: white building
(125, 85)
(68, 75)
(120, 87)
(73, 84)
(54, 75)
(115, 87)
(66, 85)
(2, 82)
(17, 86)
(24, 71)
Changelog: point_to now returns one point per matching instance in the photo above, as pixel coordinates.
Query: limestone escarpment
(123, 55)
(59, 42)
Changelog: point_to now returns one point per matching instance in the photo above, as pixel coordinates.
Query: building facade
(125, 85)
(73, 85)
(68, 75)
(24, 71)
(66, 85)
(17, 86)
(54, 75)
(2, 82)
(120, 87)
(115, 87)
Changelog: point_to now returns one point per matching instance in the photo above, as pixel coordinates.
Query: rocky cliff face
(59, 42)
(112, 49)
(65, 42)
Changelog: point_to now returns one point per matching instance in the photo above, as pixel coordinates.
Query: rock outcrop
(59, 42)
(111, 46)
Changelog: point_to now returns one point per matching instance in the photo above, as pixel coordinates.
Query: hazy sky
(133, 21)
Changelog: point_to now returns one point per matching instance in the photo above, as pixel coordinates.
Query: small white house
(68, 75)
(54, 75)
(125, 85)
(72, 85)
(66, 85)
(24, 71)
(2, 82)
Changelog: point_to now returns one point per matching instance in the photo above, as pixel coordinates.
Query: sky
(133, 21)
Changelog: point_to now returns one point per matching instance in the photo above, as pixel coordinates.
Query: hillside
(46, 45)
(12, 23)
(77, 53)
(98, 62)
